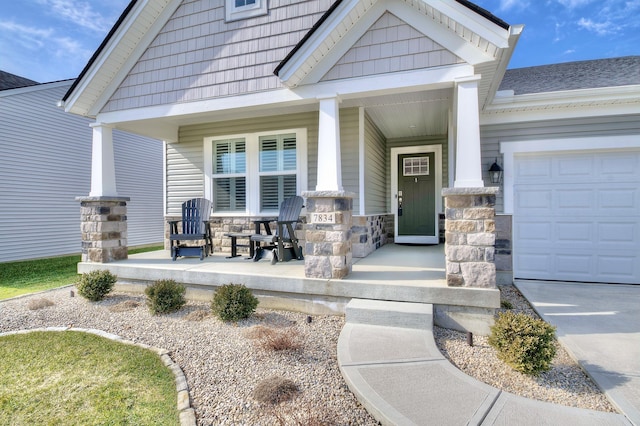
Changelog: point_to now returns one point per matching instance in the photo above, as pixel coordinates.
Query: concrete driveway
(599, 324)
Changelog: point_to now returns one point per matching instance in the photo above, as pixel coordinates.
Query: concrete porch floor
(403, 273)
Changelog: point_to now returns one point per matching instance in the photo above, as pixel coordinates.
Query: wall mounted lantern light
(495, 172)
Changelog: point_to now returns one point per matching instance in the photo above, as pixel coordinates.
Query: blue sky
(49, 40)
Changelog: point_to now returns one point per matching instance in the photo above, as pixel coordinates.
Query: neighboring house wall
(46, 163)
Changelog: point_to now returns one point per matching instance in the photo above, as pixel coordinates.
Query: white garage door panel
(577, 216)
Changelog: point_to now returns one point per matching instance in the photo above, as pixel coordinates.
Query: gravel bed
(222, 362)
(565, 384)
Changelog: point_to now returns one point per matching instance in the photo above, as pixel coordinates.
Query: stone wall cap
(103, 198)
(485, 190)
(328, 194)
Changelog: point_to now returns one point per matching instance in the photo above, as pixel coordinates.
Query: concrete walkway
(599, 325)
(389, 359)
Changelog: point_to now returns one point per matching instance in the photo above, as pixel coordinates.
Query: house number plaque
(329, 217)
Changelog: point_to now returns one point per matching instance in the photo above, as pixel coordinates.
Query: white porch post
(103, 171)
(468, 159)
(329, 176)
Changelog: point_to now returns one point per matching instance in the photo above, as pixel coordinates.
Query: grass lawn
(30, 276)
(77, 378)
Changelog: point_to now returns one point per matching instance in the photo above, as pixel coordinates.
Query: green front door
(416, 198)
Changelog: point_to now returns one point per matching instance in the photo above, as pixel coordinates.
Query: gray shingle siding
(198, 55)
(390, 45)
(573, 75)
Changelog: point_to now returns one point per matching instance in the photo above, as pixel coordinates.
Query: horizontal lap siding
(349, 146)
(491, 136)
(46, 163)
(375, 176)
(185, 160)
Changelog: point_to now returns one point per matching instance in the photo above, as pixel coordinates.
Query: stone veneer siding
(327, 252)
(369, 233)
(103, 223)
(470, 236)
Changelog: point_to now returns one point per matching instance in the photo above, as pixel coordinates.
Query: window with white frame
(229, 175)
(242, 9)
(253, 173)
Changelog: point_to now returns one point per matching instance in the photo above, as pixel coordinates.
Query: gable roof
(12, 81)
(481, 38)
(592, 74)
(480, 11)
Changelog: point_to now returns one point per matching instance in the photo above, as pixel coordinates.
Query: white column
(103, 170)
(329, 162)
(468, 159)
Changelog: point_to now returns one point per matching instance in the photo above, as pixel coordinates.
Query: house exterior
(46, 163)
(385, 115)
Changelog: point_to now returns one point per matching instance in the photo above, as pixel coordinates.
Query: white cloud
(572, 4)
(600, 28)
(29, 37)
(78, 12)
(512, 4)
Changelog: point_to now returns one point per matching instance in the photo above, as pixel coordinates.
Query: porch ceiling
(400, 115)
(412, 114)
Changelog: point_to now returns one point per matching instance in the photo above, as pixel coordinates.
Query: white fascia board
(600, 101)
(505, 57)
(92, 77)
(432, 78)
(474, 22)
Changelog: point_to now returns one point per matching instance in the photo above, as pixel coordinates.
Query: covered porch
(405, 273)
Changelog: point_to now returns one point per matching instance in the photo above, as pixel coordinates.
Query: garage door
(577, 216)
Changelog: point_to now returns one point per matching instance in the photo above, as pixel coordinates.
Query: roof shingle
(12, 81)
(611, 72)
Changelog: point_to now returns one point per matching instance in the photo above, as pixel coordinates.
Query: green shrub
(95, 285)
(233, 302)
(165, 296)
(505, 304)
(526, 344)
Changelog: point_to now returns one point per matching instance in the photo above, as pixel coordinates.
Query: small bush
(275, 390)
(275, 339)
(95, 285)
(526, 344)
(233, 302)
(505, 304)
(165, 296)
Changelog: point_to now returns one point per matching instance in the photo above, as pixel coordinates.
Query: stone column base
(104, 228)
(470, 236)
(327, 250)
